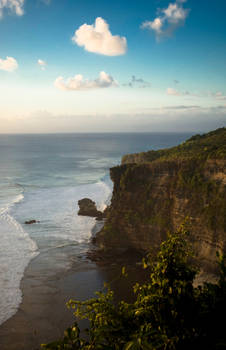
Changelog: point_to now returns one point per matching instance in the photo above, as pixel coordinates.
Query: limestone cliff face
(153, 197)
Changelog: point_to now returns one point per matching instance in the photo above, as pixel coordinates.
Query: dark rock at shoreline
(103, 214)
(111, 257)
(30, 222)
(87, 207)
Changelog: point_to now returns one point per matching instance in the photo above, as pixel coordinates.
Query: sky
(112, 66)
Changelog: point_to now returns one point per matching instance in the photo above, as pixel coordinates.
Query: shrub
(168, 311)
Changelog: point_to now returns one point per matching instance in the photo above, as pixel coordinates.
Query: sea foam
(16, 250)
(56, 208)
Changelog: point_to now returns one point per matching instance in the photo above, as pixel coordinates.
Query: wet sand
(50, 280)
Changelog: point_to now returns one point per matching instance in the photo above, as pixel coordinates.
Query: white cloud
(79, 83)
(98, 38)
(174, 13)
(169, 19)
(219, 95)
(156, 25)
(42, 64)
(9, 64)
(15, 6)
(182, 107)
(173, 92)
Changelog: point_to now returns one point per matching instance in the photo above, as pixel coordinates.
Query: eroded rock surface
(87, 207)
(155, 191)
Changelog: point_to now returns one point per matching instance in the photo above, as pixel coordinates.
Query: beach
(43, 316)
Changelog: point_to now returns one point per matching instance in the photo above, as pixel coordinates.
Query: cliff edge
(155, 191)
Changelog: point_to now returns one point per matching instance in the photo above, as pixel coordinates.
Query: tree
(168, 313)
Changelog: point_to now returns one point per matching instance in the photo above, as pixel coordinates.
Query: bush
(168, 312)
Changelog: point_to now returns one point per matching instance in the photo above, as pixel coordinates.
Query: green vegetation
(168, 311)
(208, 146)
(152, 188)
(207, 198)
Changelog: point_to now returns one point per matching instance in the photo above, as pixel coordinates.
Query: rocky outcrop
(30, 222)
(151, 197)
(87, 207)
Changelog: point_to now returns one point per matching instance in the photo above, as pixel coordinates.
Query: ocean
(42, 177)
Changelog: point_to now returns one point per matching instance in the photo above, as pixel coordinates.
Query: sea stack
(87, 207)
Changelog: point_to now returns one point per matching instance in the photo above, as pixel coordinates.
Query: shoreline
(42, 315)
(57, 274)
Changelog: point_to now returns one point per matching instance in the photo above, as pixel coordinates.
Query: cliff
(154, 192)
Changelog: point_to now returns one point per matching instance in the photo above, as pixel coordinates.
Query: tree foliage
(168, 311)
(201, 147)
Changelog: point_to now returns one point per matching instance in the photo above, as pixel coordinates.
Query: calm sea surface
(42, 177)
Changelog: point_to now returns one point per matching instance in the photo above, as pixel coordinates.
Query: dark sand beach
(42, 315)
(50, 280)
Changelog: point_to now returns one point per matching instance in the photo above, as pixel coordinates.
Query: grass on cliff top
(207, 146)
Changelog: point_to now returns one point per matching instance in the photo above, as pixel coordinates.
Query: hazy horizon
(109, 132)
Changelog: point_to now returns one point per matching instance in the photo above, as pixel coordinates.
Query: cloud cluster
(15, 6)
(42, 64)
(219, 95)
(140, 82)
(182, 107)
(79, 83)
(169, 19)
(9, 64)
(97, 38)
(174, 92)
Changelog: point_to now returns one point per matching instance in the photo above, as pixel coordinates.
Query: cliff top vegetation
(207, 146)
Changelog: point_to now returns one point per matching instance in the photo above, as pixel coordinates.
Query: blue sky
(72, 65)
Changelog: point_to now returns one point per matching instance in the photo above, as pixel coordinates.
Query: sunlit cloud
(9, 64)
(14, 6)
(79, 83)
(173, 92)
(182, 107)
(219, 95)
(155, 25)
(42, 64)
(97, 38)
(168, 20)
(175, 13)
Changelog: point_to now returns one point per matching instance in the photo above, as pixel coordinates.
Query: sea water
(42, 177)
